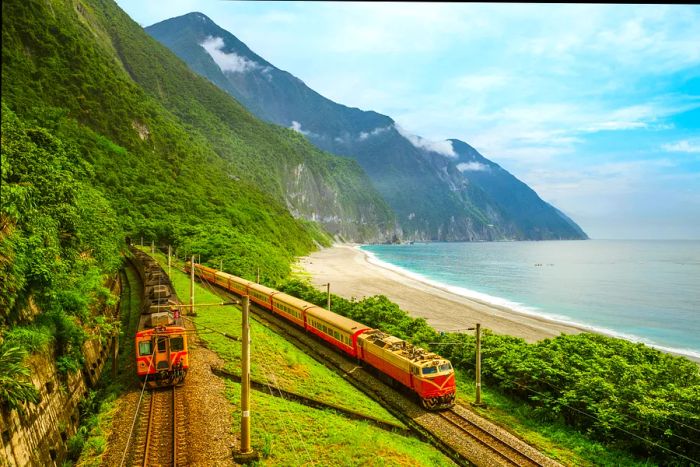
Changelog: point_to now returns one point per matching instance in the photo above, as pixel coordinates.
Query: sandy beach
(352, 275)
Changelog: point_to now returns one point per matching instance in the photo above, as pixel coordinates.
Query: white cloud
(230, 62)
(441, 147)
(364, 135)
(473, 167)
(683, 146)
(296, 126)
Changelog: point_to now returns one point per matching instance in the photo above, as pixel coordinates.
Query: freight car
(423, 373)
(161, 340)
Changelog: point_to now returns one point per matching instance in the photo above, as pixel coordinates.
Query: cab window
(445, 367)
(177, 344)
(145, 348)
(161, 344)
(430, 370)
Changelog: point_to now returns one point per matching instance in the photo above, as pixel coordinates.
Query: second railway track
(507, 452)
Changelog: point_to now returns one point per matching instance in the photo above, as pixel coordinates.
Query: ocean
(641, 290)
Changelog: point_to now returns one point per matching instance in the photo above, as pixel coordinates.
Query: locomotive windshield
(429, 370)
(445, 367)
(145, 348)
(177, 344)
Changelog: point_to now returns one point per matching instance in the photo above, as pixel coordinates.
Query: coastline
(351, 274)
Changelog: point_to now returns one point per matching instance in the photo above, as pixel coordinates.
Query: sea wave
(519, 308)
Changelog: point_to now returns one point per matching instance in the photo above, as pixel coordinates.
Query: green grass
(285, 433)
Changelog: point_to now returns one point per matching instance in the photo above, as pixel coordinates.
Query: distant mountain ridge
(444, 191)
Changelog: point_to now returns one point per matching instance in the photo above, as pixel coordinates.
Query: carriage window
(161, 344)
(145, 348)
(430, 370)
(177, 344)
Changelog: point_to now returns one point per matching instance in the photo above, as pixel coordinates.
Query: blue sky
(596, 107)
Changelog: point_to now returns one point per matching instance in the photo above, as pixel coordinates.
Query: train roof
(340, 322)
(400, 347)
(292, 301)
(262, 288)
(233, 278)
(160, 330)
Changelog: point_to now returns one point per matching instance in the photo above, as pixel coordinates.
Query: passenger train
(423, 373)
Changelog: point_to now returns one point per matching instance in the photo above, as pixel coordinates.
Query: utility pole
(169, 260)
(221, 265)
(246, 454)
(192, 286)
(478, 402)
(153, 246)
(328, 290)
(258, 276)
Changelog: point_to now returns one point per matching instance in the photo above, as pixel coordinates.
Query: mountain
(431, 186)
(107, 134)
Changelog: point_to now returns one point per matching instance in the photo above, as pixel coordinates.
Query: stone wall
(38, 434)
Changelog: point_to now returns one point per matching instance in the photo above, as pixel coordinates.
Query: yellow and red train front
(161, 355)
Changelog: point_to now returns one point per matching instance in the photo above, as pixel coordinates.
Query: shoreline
(356, 273)
(352, 274)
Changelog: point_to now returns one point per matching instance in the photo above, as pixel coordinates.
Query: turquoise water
(642, 290)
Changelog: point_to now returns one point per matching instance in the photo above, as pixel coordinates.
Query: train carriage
(161, 339)
(261, 295)
(161, 355)
(291, 308)
(425, 374)
(338, 330)
(232, 283)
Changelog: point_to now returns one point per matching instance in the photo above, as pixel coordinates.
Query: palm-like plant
(14, 389)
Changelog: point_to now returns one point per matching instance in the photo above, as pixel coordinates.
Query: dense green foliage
(96, 150)
(14, 388)
(58, 239)
(630, 396)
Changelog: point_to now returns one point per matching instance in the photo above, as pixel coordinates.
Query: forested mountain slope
(107, 135)
(436, 196)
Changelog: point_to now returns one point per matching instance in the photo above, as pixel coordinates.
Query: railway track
(162, 436)
(505, 451)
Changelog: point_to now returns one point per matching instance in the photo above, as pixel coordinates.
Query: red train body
(426, 374)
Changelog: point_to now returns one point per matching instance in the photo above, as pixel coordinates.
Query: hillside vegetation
(107, 136)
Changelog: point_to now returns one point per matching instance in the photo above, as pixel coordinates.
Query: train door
(161, 356)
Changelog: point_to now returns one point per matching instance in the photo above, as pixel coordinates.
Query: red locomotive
(161, 339)
(426, 374)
